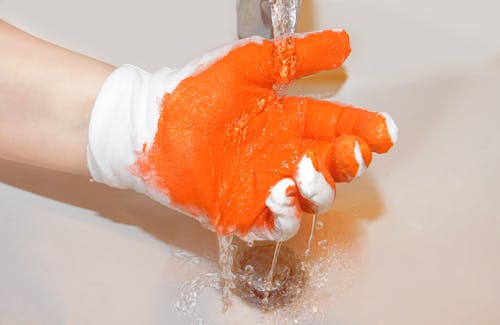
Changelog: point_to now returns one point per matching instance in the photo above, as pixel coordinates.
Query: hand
(215, 141)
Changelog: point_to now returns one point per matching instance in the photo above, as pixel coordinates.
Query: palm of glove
(229, 149)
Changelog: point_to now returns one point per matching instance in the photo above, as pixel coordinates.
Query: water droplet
(323, 243)
(319, 225)
(206, 224)
(261, 103)
(249, 268)
(250, 243)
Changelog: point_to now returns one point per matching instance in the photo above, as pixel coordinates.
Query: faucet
(254, 18)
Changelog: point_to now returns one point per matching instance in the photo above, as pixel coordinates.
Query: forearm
(46, 97)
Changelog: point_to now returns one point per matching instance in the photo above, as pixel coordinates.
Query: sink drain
(253, 285)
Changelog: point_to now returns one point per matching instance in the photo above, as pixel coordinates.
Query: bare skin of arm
(46, 97)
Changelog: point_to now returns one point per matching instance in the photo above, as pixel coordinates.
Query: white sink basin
(412, 242)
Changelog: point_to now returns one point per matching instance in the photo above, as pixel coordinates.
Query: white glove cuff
(123, 119)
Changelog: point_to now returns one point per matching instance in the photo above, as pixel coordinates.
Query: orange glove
(215, 141)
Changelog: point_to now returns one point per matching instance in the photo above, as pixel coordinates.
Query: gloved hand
(214, 140)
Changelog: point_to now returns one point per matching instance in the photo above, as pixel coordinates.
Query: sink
(414, 241)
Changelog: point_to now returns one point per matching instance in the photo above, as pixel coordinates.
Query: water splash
(301, 291)
(300, 299)
(187, 299)
(263, 285)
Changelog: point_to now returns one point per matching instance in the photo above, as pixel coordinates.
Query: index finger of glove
(318, 51)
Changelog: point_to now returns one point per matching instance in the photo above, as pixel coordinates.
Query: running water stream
(311, 235)
(293, 296)
(270, 275)
(226, 259)
(284, 19)
(284, 269)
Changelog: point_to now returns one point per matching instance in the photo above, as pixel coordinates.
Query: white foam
(359, 159)
(313, 186)
(391, 127)
(285, 211)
